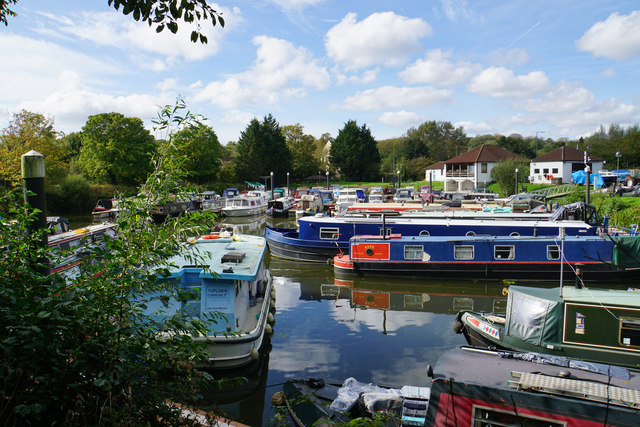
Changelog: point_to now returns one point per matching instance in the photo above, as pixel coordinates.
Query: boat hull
(284, 243)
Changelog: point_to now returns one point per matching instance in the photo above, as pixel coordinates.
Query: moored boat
(252, 203)
(598, 325)
(71, 243)
(230, 280)
(601, 258)
(480, 387)
(280, 207)
(211, 201)
(106, 208)
(309, 204)
(320, 238)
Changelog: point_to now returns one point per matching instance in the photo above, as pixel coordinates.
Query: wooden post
(33, 174)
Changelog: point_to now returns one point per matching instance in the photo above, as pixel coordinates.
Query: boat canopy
(534, 314)
(626, 252)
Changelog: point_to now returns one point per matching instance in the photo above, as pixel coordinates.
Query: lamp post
(288, 191)
(537, 132)
(271, 174)
(516, 180)
(327, 180)
(398, 172)
(587, 170)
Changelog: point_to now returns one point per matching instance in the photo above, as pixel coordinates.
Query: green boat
(596, 325)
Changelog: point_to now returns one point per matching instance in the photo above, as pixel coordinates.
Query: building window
(536, 170)
(413, 252)
(483, 167)
(545, 171)
(554, 170)
(463, 252)
(327, 233)
(504, 252)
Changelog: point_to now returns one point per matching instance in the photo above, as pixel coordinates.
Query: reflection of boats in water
(240, 400)
(427, 296)
(245, 224)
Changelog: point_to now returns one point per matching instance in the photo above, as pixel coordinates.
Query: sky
(555, 69)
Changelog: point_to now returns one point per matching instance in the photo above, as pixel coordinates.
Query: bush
(73, 195)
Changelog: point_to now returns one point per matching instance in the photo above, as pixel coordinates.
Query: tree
(30, 131)
(262, 149)
(116, 149)
(441, 139)
(355, 153)
(302, 148)
(504, 173)
(161, 13)
(87, 338)
(202, 151)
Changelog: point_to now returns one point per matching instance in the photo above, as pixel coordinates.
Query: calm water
(384, 330)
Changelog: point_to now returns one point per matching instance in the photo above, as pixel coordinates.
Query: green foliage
(115, 149)
(30, 131)
(202, 151)
(441, 141)
(516, 144)
(302, 148)
(80, 351)
(504, 174)
(5, 11)
(262, 149)
(355, 153)
(73, 195)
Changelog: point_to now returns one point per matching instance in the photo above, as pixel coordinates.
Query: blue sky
(557, 68)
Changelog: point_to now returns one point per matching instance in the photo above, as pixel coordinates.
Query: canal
(385, 331)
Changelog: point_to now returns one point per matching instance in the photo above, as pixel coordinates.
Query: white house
(472, 169)
(557, 166)
(435, 172)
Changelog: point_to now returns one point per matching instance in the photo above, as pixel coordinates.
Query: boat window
(413, 252)
(504, 252)
(329, 233)
(387, 231)
(630, 331)
(463, 252)
(485, 416)
(425, 233)
(515, 234)
(553, 252)
(470, 233)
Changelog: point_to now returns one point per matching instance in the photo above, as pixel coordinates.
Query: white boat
(106, 208)
(280, 207)
(252, 203)
(404, 195)
(348, 197)
(211, 201)
(231, 280)
(309, 204)
(73, 242)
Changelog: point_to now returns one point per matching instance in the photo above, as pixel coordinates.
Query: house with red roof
(556, 167)
(434, 172)
(472, 169)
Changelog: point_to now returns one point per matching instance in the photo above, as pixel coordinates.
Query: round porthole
(470, 233)
(514, 234)
(369, 251)
(424, 233)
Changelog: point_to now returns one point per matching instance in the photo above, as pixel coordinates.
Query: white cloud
(618, 37)
(472, 128)
(296, 4)
(609, 73)
(117, 31)
(278, 65)
(605, 112)
(566, 97)
(436, 68)
(384, 39)
(399, 118)
(391, 97)
(456, 9)
(500, 82)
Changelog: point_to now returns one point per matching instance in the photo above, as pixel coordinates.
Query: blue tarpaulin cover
(580, 177)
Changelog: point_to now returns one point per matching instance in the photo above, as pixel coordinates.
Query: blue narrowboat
(319, 238)
(590, 258)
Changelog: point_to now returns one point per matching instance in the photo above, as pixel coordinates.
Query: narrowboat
(319, 238)
(601, 258)
(280, 207)
(106, 208)
(229, 287)
(478, 387)
(596, 325)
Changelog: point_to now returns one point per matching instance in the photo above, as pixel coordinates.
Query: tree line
(115, 151)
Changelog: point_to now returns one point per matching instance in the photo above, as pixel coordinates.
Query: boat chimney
(578, 284)
(384, 227)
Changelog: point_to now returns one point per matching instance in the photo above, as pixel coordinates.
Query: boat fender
(278, 399)
(254, 354)
(272, 305)
(458, 326)
(270, 319)
(273, 294)
(268, 330)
